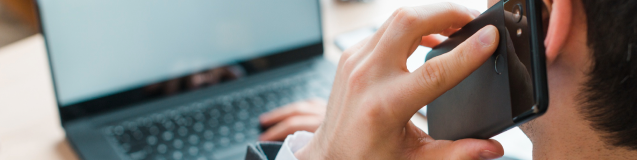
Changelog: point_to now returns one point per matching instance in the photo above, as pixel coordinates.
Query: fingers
(373, 40)
(281, 130)
(443, 72)
(314, 107)
(353, 49)
(477, 149)
(431, 41)
(410, 24)
(474, 12)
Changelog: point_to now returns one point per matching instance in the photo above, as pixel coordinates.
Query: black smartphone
(509, 89)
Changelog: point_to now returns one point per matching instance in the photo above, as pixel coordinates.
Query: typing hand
(374, 95)
(303, 115)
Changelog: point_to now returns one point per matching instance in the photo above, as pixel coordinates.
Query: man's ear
(559, 27)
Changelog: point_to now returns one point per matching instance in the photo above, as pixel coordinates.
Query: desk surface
(29, 121)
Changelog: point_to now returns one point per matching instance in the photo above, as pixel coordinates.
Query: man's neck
(572, 139)
(563, 133)
(577, 143)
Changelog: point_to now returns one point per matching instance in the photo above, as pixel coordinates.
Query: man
(591, 54)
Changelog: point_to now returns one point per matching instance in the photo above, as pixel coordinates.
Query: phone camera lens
(517, 13)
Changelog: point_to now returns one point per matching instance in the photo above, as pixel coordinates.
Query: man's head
(592, 72)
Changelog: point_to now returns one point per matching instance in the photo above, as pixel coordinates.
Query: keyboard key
(153, 130)
(193, 139)
(224, 130)
(243, 104)
(125, 147)
(257, 101)
(271, 105)
(151, 140)
(239, 126)
(239, 137)
(227, 107)
(125, 138)
(131, 126)
(177, 155)
(253, 132)
(214, 113)
(168, 125)
(213, 123)
(158, 117)
(228, 118)
(224, 141)
(148, 150)
(167, 135)
(160, 157)
(147, 121)
(208, 134)
(254, 122)
(199, 116)
(208, 146)
(182, 131)
(178, 143)
(193, 151)
(243, 115)
(118, 130)
(271, 97)
(198, 127)
(162, 148)
(138, 135)
(173, 113)
(284, 100)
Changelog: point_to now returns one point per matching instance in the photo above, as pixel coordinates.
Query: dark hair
(610, 94)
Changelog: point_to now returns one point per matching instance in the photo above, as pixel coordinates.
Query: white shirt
(293, 143)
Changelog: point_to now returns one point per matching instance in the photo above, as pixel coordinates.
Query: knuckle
(299, 109)
(407, 16)
(349, 64)
(450, 6)
(433, 75)
(372, 110)
(291, 122)
(347, 53)
(461, 57)
(376, 111)
(357, 80)
(455, 8)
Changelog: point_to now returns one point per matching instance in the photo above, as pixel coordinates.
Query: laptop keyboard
(213, 128)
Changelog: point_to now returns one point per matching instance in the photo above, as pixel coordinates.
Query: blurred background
(17, 20)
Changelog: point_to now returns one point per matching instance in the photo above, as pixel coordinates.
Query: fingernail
(486, 154)
(487, 37)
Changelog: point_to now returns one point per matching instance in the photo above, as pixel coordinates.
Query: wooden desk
(29, 121)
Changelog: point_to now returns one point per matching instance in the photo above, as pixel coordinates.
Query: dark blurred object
(17, 20)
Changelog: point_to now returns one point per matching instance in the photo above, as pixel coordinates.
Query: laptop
(149, 79)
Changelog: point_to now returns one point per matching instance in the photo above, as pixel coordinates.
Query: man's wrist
(307, 151)
(312, 150)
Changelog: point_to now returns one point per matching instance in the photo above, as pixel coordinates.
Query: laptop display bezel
(117, 100)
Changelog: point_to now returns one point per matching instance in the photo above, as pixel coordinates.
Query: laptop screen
(100, 48)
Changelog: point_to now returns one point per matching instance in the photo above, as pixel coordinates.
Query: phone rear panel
(501, 93)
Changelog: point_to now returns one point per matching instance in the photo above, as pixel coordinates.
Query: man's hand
(374, 95)
(303, 115)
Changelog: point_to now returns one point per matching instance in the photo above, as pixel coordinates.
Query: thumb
(476, 149)
(443, 72)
